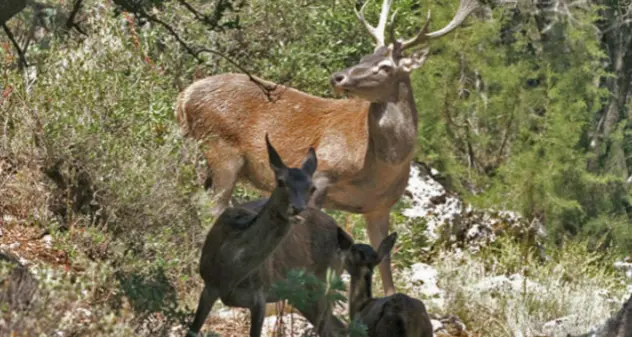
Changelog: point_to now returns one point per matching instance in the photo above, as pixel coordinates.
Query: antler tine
(421, 37)
(466, 7)
(381, 26)
(376, 32)
(391, 31)
(368, 26)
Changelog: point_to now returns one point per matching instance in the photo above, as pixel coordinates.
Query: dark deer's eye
(312, 190)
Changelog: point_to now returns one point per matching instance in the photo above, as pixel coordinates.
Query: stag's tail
(180, 113)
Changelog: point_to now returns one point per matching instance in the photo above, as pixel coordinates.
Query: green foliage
(412, 241)
(303, 289)
(357, 329)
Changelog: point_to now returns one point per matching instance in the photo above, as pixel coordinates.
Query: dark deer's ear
(276, 163)
(385, 247)
(310, 162)
(344, 239)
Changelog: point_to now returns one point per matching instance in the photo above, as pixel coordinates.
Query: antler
(376, 32)
(466, 7)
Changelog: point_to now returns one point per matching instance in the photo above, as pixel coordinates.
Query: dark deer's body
(397, 315)
(365, 146)
(254, 245)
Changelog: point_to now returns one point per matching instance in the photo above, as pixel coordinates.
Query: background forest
(526, 108)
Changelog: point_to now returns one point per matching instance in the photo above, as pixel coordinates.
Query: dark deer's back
(397, 315)
(311, 244)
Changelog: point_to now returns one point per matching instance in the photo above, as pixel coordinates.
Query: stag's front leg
(377, 225)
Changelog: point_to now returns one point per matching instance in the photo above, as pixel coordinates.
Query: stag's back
(235, 110)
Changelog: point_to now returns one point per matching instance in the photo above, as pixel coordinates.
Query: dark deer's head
(362, 259)
(296, 181)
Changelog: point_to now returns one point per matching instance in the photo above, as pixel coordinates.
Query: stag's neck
(359, 294)
(393, 125)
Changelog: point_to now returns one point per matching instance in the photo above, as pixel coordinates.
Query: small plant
(302, 289)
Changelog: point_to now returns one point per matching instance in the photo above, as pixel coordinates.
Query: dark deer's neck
(262, 237)
(393, 125)
(359, 293)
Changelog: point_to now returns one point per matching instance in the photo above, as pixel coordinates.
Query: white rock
(625, 267)
(85, 312)
(436, 325)
(291, 323)
(430, 200)
(424, 281)
(558, 325)
(228, 313)
(495, 283)
(427, 276)
(48, 241)
(9, 219)
(423, 189)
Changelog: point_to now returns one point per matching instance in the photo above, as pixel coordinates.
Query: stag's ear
(276, 163)
(415, 60)
(310, 162)
(344, 239)
(385, 247)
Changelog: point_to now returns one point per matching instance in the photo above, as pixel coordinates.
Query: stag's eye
(312, 190)
(386, 68)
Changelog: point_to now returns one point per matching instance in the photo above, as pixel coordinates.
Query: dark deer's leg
(377, 225)
(257, 314)
(207, 299)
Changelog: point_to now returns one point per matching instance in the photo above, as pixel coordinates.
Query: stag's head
(375, 76)
(296, 181)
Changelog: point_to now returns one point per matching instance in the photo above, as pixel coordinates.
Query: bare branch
(70, 23)
(195, 52)
(22, 58)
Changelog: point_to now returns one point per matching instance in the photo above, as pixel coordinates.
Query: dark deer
(255, 244)
(365, 145)
(397, 315)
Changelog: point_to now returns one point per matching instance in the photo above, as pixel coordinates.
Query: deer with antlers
(365, 144)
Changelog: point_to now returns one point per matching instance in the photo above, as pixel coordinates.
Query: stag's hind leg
(377, 225)
(224, 167)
